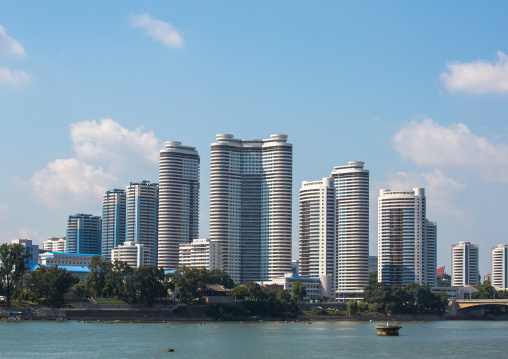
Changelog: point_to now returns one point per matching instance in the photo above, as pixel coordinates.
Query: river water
(332, 339)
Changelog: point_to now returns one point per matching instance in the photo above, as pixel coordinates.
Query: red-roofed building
(440, 271)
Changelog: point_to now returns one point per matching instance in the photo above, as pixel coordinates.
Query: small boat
(388, 329)
(171, 349)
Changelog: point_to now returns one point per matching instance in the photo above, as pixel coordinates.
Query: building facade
(132, 253)
(317, 229)
(251, 205)
(430, 253)
(352, 229)
(201, 253)
(83, 234)
(31, 250)
(142, 216)
(113, 221)
(499, 263)
(465, 264)
(403, 251)
(54, 244)
(65, 259)
(178, 201)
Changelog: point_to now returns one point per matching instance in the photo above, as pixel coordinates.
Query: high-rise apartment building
(84, 234)
(142, 216)
(499, 266)
(403, 252)
(132, 253)
(31, 250)
(251, 205)
(464, 264)
(430, 253)
(178, 201)
(201, 253)
(317, 229)
(113, 221)
(352, 229)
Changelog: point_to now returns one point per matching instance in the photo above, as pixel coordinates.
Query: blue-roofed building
(81, 272)
(65, 259)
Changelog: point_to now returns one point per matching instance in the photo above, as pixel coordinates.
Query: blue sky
(89, 91)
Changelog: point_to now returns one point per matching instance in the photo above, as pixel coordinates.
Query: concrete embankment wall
(98, 313)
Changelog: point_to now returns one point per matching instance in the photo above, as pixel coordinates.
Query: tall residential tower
(178, 201)
(83, 234)
(404, 255)
(352, 229)
(113, 221)
(251, 205)
(500, 266)
(142, 207)
(465, 264)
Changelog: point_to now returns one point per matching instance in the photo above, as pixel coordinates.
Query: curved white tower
(250, 205)
(352, 215)
(178, 201)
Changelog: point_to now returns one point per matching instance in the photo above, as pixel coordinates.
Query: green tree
(298, 291)
(372, 277)
(256, 292)
(13, 266)
(95, 282)
(352, 307)
(485, 291)
(150, 284)
(239, 292)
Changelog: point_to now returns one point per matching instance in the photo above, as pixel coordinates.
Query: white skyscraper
(178, 201)
(142, 207)
(499, 268)
(403, 252)
(464, 264)
(113, 221)
(317, 229)
(250, 205)
(352, 229)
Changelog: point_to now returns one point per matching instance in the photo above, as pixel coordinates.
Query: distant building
(406, 240)
(440, 271)
(251, 205)
(317, 229)
(65, 259)
(372, 263)
(54, 244)
(80, 272)
(455, 293)
(142, 216)
(352, 229)
(295, 267)
(465, 264)
(31, 250)
(84, 234)
(487, 277)
(178, 201)
(132, 253)
(201, 253)
(499, 270)
(315, 286)
(113, 221)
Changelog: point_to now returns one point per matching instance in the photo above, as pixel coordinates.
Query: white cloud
(9, 46)
(478, 76)
(71, 183)
(158, 30)
(122, 151)
(442, 193)
(12, 77)
(428, 143)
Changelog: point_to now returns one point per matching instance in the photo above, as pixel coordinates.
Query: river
(330, 339)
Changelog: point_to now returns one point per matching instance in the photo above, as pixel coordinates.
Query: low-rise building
(200, 253)
(455, 293)
(80, 272)
(54, 244)
(65, 259)
(31, 250)
(315, 286)
(133, 253)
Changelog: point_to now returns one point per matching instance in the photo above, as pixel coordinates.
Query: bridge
(474, 306)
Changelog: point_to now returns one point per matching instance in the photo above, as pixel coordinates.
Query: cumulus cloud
(428, 143)
(71, 181)
(441, 191)
(478, 77)
(12, 77)
(106, 152)
(4, 209)
(158, 30)
(9, 46)
(108, 143)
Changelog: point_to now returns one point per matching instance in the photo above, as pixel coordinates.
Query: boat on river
(388, 329)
